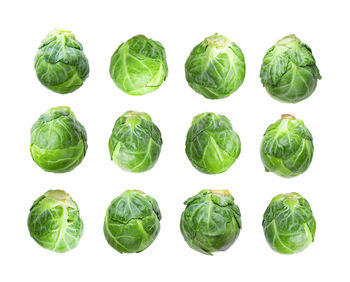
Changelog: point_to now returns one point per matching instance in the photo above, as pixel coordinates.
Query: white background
(101, 26)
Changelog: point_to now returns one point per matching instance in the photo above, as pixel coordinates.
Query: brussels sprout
(135, 142)
(212, 145)
(139, 65)
(132, 222)
(54, 221)
(211, 221)
(60, 63)
(286, 148)
(58, 141)
(215, 67)
(288, 223)
(289, 72)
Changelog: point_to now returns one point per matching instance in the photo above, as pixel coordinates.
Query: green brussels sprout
(60, 63)
(54, 221)
(215, 68)
(132, 222)
(288, 223)
(135, 142)
(139, 65)
(58, 141)
(289, 72)
(211, 221)
(286, 148)
(212, 145)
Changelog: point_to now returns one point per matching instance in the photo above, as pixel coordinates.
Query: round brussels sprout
(60, 63)
(132, 222)
(58, 141)
(139, 65)
(289, 72)
(215, 67)
(286, 148)
(288, 223)
(211, 221)
(54, 221)
(212, 145)
(135, 142)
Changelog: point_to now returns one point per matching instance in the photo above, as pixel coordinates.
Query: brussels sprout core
(288, 41)
(221, 192)
(288, 223)
(287, 116)
(60, 196)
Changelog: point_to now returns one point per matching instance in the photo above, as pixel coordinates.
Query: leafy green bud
(54, 221)
(139, 65)
(60, 63)
(289, 72)
(288, 223)
(215, 68)
(286, 148)
(211, 221)
(132, 222)
(58, 141)
(212, 145)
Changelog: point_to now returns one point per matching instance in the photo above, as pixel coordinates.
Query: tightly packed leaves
(289, 72)
(139, 65)
(211, 221)
(135, 143)
(54, 221)
(215, 68)
(60, 63)
(132, 222)
(288, 223)
(212, 145)
(58, 141)
(286, 148)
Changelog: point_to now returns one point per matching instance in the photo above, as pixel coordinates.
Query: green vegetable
(132, 222)
(212, 145)
(215, 67)
(54, 221)
(135, 142)
(289, 72)
(288, 223)
(287, 148)
(60, 63)
(58, 140)
(139, 65)
(211, 221)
